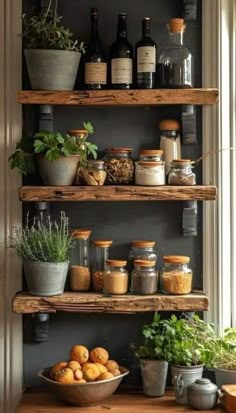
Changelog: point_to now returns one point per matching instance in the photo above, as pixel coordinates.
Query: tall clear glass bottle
(102, 249)
(170, 141)
(79, 264)
(175, 62)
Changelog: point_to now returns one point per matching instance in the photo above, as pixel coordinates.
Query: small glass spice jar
(79, 273)
(102, 249)
(150, 155)
(181, 172)
(94, 174)
(142, 250)
(79, 136)
(119, 166)
(150, 173)
(115, 280)
(144, 277)
(170, 141)
(175, 275)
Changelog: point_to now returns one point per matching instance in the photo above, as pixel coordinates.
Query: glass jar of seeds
(79, 273)
(119, 166)
(94, 174)
(102, 249)
(181, 173)
(144, 277)
(115, 280)
(176, 276)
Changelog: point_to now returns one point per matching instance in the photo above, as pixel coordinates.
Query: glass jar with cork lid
(142, 250)
(115, 280)
(170, 141)
(175, 275)
(79, 136)
(94, 173)
(181, 172)
(150, 173)
(102, 249)
(152, 155)
(79, 273)
(119, 166)
(144, 277)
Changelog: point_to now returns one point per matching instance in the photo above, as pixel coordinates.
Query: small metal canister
(202, 394)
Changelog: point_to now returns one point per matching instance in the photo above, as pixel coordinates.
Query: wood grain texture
(118, 193)
(152, 97)
(118, 403)
(24, 303)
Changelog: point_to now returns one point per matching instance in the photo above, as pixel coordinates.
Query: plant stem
(55, 11)
(48, 9)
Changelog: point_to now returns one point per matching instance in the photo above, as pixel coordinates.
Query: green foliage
(52, 146)
(49, 242)
(45, 31)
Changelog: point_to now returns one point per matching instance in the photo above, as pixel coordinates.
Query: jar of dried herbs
(94, 174)
(119, 166)
(181, 173)
(102, 249)
(115, 280)
(144, 277)
(79, 273)
(176, 276)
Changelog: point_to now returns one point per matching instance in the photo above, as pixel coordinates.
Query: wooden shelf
(118, 193)
(154, 97)
(24, 303)
(44, 402)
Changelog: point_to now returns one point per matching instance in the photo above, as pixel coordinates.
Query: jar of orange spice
(115, 279)
(176, 276)
(102, 249)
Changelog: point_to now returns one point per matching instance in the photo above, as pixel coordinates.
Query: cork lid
(151, 152)
(77, 132)
(176, 259)
(144, 263)
(102, 243)
(150, 164)
(143, 244)
(116, 263)
(169, 124)
(176, 25)
(118, 150)
(80, 233)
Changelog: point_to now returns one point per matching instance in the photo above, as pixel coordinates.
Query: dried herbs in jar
(119, 166)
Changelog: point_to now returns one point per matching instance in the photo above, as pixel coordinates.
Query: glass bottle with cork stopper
(181, 172)
(115, 279)
(170, 141)
(144, 277)
(79, 267)
(175, 62)
(102, 250)
(175, 275)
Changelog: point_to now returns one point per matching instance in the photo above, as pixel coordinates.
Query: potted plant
(52, 56)
(57, 156)
(45, 250)
(153, 355)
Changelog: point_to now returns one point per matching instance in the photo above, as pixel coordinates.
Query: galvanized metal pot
(45, 278)
(182, 377)
(62, 171)
(224, 376)
(154, 373)
(52, 69)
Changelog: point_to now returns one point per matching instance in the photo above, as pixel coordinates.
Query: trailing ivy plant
(46, 31)
(52, 145)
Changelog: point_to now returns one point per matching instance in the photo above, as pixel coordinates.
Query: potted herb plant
(52, 56)
(45, 250)
(153, 355)
(57, 156)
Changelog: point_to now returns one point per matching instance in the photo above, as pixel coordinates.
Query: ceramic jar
(202, 394)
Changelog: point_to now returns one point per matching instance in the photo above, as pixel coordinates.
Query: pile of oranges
(85, 366)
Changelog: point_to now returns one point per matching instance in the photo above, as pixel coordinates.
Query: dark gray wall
(119, 221)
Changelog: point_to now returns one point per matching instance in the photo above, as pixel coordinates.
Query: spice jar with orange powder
(115, 279)
(79, 273)
(102, 249)
(176, 276)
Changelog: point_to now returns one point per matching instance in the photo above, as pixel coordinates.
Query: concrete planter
(60, 172)
(45, 278)
(182, 377)
(154, 373)
(224, 376)
(52, 69)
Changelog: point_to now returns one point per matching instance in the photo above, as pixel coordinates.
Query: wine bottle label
(146, 59)
(95, 73)
(121, 71)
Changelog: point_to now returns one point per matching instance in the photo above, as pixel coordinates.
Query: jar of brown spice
(144, 277)
(119, 166)
(176, 276)
(79, 272)
(181, 173)
(115, 280)
(102, 249)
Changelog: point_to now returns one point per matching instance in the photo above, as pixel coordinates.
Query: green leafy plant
(52, 146)
(47, 242)
(45, 31)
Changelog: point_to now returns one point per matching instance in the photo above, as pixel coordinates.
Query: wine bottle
(95, 62)
(146, 58)
(121, 57)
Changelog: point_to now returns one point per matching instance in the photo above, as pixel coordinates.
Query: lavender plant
(46, 242)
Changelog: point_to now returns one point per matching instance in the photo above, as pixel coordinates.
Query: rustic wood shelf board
(152, 97)
(24, 303)
(118, 193)
(135, 403)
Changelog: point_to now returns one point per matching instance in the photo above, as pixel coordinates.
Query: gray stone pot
(60, 172)
(224, 376)
(154, 373)
(182, 377)
(45, 278)
(52, 69)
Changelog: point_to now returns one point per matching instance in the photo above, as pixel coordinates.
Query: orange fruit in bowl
(78, 375)
(90, 371)
(73, 365)
(81, 381)
(115, 372)
(57, 367)
(111, 365)
(101, 367)
(79, 353)
(99, 355)
(105, 376)
(64, 376)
